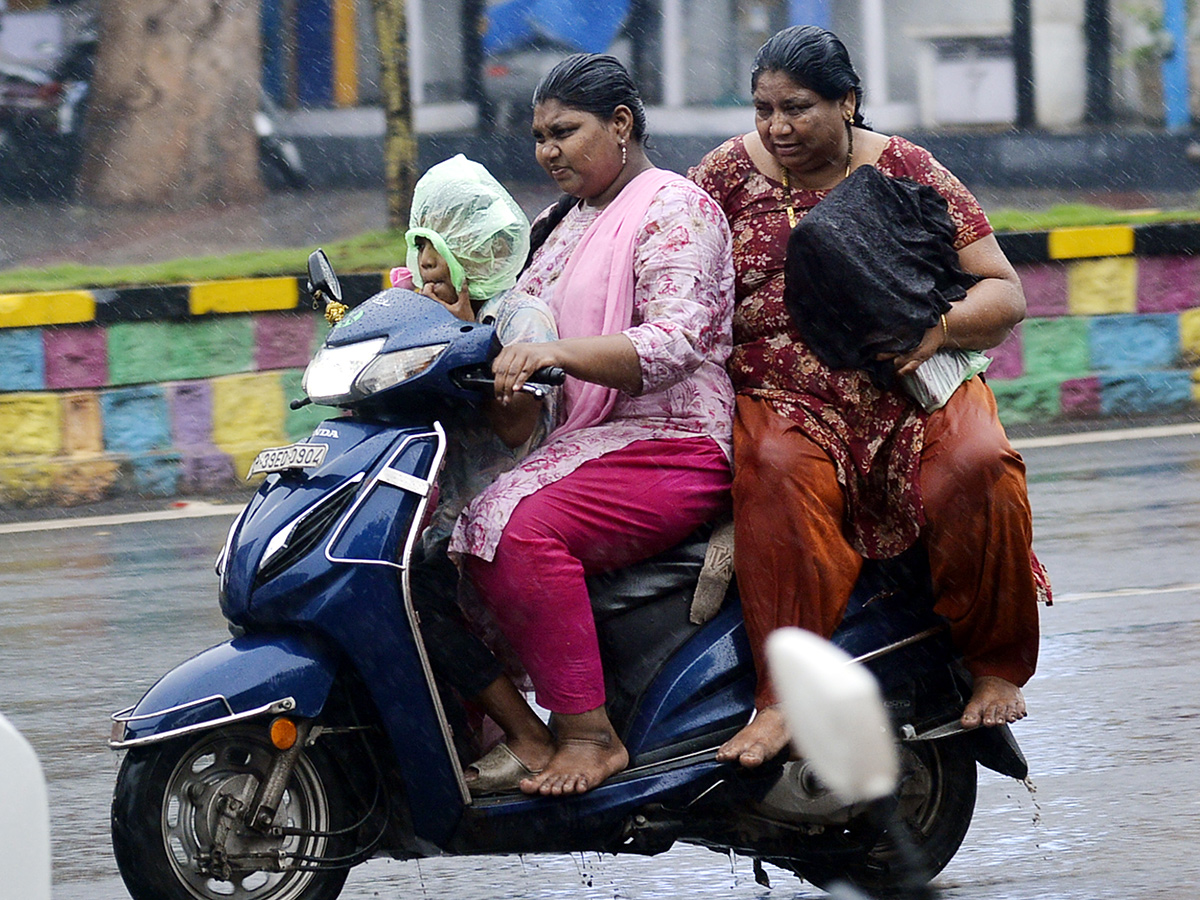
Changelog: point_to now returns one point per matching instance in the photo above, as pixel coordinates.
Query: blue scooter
(317, 738)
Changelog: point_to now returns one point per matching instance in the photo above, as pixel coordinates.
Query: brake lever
(480, 379)
(484, 383)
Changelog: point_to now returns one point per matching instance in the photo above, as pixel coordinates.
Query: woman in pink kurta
(638, 270)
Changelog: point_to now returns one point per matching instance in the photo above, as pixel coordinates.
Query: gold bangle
(945, 330)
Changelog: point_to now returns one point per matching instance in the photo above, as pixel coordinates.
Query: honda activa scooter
(265, 767)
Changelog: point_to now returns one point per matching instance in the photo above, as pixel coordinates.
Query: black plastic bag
(870, 269)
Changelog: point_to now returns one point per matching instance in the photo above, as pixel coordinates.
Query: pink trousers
(610, 512)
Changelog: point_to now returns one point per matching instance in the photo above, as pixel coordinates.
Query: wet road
(91, 615)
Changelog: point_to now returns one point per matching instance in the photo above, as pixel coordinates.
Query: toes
(740, 753)
(556, 785)
(994, 702)
(754, 757)
(534, 785)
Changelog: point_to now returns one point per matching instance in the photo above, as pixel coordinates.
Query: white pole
(416, 53)
(673, 67)
(875, 78)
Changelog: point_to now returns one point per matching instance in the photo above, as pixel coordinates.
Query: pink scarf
(594, 294)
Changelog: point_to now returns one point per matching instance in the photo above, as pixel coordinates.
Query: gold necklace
(791, 210)
(787, 181)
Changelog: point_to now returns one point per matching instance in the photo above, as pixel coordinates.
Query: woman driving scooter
(636, 263)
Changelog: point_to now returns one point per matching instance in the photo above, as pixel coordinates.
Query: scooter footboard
(243, 678)
(996, 748)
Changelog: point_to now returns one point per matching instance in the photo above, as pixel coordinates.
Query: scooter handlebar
(480, 378)
(552, 375)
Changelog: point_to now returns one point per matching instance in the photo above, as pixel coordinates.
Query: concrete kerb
(164, 391)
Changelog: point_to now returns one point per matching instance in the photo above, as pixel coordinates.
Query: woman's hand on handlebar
(607, 359)
(516, 363)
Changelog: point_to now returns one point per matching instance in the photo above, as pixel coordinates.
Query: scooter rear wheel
(167, 808)
(935, 803)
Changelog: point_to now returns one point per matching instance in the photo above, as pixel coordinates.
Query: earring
(624, 154)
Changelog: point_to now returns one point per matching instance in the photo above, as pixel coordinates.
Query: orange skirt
(795, 567)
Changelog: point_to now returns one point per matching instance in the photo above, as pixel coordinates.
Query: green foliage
(1076, 215)
(373, 251)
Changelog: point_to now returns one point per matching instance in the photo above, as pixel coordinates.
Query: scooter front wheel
(170, 813)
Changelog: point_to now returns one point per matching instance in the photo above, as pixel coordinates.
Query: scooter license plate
(294, 456)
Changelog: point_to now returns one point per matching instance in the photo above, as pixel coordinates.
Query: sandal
(499, 770)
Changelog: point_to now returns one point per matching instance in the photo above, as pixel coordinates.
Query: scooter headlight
(353, 371)
(393, 368)
(329, 378)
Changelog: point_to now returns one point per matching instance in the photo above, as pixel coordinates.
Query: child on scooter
(467, 242)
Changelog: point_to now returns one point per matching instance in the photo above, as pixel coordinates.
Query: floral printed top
(874, 437)
(475, 455)
(683, 306)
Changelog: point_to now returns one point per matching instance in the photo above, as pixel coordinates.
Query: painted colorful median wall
(1112, 326)
(155, 391)
(165, 391)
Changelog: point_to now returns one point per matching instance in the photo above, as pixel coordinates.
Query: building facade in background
(926, 64)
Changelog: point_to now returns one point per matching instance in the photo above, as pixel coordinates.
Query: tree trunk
(171, 112)
(399, 143)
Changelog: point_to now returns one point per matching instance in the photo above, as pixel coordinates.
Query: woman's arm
(683, 301)
(988, 314)
(683, 298)
(608, 359)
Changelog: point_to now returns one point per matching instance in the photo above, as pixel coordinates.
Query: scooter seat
(660, 576)
(642, 619)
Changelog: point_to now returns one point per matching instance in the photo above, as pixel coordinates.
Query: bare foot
(589, 751)
(994, 701)
(763, 739)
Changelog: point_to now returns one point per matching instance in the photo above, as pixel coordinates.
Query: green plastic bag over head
(473, 223)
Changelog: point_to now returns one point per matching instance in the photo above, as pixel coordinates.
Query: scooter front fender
(250, 676)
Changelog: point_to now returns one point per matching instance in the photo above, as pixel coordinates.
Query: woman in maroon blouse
(830, 469)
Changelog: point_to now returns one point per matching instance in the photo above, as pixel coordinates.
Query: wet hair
(546, 224)
(813, 58)
(594, 83)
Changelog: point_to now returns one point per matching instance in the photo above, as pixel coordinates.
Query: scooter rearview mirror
(835, 713)
(322, 280)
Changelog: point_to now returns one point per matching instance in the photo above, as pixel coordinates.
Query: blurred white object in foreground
(24, 819)
(835, 713)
